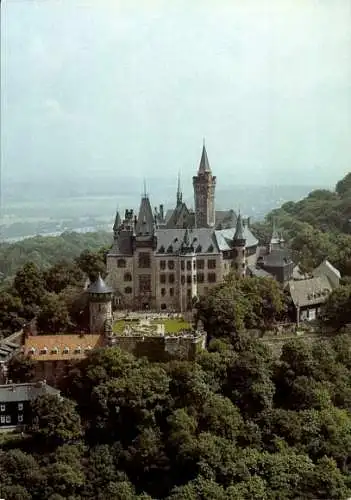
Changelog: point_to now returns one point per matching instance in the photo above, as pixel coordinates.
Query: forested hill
(316, 227)
(45, 251)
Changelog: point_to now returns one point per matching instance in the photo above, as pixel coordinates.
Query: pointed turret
(239, 247)
(204, 163)
(117, 223)
(100, 305)
(179, 192)
(239, 238)
(145, 222)
(275, 238)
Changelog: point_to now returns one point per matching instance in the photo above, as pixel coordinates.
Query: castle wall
(99, 312)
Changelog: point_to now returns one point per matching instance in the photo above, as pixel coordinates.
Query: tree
(53, 316)
(61, 275)
(29, 284)
(55, 420)
(11, 313)
(337, 309)
(92, 264)
(21, 369)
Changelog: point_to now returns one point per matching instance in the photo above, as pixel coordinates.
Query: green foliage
(55, 420)
(46, 251)
(337, 309)
(243, 303)
(20, 369)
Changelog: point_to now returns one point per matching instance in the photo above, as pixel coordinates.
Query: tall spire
(204, 163)
(179, 192)
(144, 192)
(239, 230)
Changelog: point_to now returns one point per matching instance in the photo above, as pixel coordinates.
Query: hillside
(316, 227)
(45, 251)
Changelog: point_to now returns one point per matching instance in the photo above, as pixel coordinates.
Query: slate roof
(117, 222)
(99, 286)
(204, 163)
(239, 229)
(330, 266)
(13, 393)
(258, 272)
(145, 222)
(56, 344)
(310, 292)
(170, 240)
(225, 237)
(279, 257)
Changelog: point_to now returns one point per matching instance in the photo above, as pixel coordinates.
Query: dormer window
(32, 350)
(161, 249)
(199, 249)
(65, 350)
(88, 348)
(210, 248)
(44, 350)
(78, 349)
(170, 249)
(54, 350)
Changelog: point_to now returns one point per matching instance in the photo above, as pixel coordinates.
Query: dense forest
(44, 251)
(316, 227)
(235, 424)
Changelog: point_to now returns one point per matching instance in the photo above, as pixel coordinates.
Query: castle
(163, 261)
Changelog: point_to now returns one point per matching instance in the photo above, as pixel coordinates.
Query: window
(163, 292)
(8, 419)
(162, 278)
(78, 349)
(182, 265)
(182, 280)
(20, 406)
(188, 279)
(20, 418)
(65, 350)
(171, 292)
(144, 260)
(2, 419)
(121, 263)
(200, 277)
(44, 350)
(162, 264)
(2, 407)
(128, 289)
(145, 283)
(211, 277)
(211, 263)
(171, 278)
(127, 277)
(163, 306)
(171, 264)
(188, 292)
(200, 264)
(188, 265)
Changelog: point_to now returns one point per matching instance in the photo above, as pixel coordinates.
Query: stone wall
(161, 348)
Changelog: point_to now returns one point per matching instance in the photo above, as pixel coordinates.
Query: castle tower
(239, 248)
(204, 193)
(100, 305)
(274, 242)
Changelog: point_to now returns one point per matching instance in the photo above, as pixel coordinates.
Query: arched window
(128, 289)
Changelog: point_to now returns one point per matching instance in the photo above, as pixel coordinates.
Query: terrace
(151, 325)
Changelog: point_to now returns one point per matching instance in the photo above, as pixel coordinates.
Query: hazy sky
(133, 87)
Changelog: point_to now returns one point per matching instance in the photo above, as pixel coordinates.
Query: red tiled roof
(61, 347)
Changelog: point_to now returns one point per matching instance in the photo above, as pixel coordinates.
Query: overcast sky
(133, 87)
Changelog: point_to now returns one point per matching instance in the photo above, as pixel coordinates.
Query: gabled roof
(225, 237)
(204, 163)
(170, 241)
(122, 245)
(99, 286)
(309, 292)
(145, 222)
(13, 393)
(329, 266)
(225, 219)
